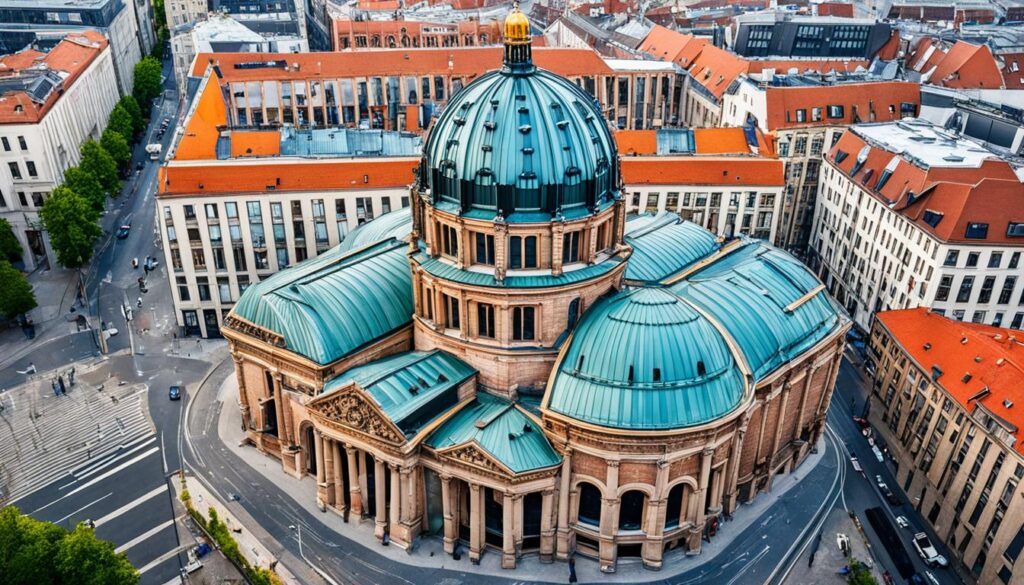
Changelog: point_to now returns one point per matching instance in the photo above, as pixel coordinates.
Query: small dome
(517, 27)
(520, 140)
(668, 367)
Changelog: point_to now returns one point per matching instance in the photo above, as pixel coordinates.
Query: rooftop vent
(966, 378)
(414, 390)
(527, 428)
(1008, 403)
(1000, 361)
(936, 372)
(977, 359)
(441, 378)
(927, 346)
(983, 393)
(963, 341)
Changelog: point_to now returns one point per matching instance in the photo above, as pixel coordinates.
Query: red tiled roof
(239, 176)
(844, 10)
(199, 141)
(993, 357)
(720, 141)
(465, 62)
(71, 56)
(632, 142)
(886, 97)
(964, 66)
(669, 45)
(702, 170)
(990, 193)
(1013, 70)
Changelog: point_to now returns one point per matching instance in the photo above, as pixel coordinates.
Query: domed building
(514, 364)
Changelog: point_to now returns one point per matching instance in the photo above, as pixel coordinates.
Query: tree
(859, 574)
(132, 106)
(147, 81)
(85, 184)
(115, 144)
(10, 248)
(33, 551)
(120, 121)
(101, 165)
(16, 296)
(72, 224)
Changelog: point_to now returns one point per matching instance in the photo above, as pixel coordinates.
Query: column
(321, 477)
(243, 396)
(655, 520)
(778, 435)
(562, 538)
(355, 494)
(609, 514)
(395, 508)
(734, 473)
(339, 479)
(476, 515)
(557, 231)
(282, 439)
(451, 531)
(288, 430)
(328, 450)
(508, 548)
(380, 499)
(547, 528)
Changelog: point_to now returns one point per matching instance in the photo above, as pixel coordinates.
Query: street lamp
(318, 570)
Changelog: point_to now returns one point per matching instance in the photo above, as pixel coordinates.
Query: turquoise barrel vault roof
(411, 388)
(664, 245)
(501, 429)
(644, 359)
(755, 293)
(520, 129)
(331, 305)
(396, 224)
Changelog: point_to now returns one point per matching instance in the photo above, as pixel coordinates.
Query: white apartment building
(47, 109)
(806, 115)
(910, 215)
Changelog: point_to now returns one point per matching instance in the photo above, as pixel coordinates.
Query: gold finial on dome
(518, 56)
(517, 27)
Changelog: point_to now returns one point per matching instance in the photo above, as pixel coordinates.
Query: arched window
(601, 179)
(631, 510)
(391, 41)
(590, 505)
(678, 498)
(449, 187)
(574, 313)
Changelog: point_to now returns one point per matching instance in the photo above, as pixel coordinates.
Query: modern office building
(912, 215)
(453, 379)
(946, 400)
(785, 34)
(50, 103)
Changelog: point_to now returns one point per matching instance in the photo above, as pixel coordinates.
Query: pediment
(472, 455)
(349, 410)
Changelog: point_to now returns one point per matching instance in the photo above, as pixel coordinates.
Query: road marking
(143, 536)
(100, 478)
(106, 463)
(132, 504)
(84, 507)
(167, 555)
(163, 451)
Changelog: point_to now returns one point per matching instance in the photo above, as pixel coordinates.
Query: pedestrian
(139, 302)
(56, 389)
(31, 369)
(572, 569)
(63, 389)
(71, 377)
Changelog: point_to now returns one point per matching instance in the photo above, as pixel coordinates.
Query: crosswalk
(42, 436)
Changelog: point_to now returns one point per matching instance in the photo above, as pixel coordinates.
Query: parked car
(902, 522)
(123, 231)
(174, 393)
(861, 422)
(855, 462)
(926, 550)
(889, 495)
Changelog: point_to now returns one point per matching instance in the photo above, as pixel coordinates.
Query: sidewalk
(828, 558)
(55, 290)
(429, 551)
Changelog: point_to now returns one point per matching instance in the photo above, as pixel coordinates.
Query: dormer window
(976, 231)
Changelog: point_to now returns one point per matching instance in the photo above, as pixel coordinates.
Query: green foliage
(147, 81)
(132, 107)
(10, 247)
(120, 121)
(859, 574)
(72, 224)
(16, 296)
(86, 185)
(35, 552)
(162, 34)
(101, 165)
(117, 147)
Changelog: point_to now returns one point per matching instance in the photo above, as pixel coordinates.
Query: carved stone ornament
(472, 455)
(351, 410)
(255, 331)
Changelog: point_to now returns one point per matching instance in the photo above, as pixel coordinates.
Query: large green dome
(521, 141)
